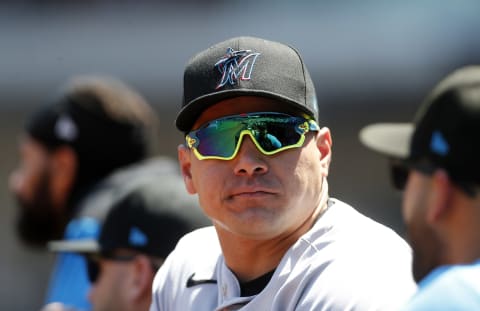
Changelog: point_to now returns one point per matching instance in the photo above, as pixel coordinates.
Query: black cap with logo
(245, 66)
(445, 131)
(106, 122)
(149, 219)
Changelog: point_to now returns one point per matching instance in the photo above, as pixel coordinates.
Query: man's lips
(251, 191)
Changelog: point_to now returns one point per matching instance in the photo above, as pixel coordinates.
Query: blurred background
(370, 61)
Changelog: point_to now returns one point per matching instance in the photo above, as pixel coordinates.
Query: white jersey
(345, 262)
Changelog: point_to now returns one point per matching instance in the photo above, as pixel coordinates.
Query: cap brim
(190, 112)
(390, 139)
(75, 246)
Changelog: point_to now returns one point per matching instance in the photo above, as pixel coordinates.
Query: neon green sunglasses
(270, 131)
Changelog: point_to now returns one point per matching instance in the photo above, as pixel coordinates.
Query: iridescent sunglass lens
(219, 138)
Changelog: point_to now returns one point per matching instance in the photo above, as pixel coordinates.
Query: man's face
(425, 243)
(254, 195)
(38, 220)
(108, 291)
(121, 282)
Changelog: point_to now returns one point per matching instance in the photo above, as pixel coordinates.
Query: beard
(427, 250)
(38, 220)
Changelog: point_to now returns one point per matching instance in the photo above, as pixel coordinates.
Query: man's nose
(249, 160)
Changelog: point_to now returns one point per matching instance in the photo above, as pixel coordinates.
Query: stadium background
(370, 61)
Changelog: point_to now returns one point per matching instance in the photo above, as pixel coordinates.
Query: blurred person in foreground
(258, 159)
(142, 226)
(92, 127)
(435, 160)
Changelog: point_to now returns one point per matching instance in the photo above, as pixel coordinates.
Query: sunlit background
(370, 61)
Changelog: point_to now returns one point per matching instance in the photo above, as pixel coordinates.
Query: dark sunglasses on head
(93, 264)
(271, 133)
(399, 176)
(399, 171)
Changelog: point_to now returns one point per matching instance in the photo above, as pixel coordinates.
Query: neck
(462, 231)
(251, 258)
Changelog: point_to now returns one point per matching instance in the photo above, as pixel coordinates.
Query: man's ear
(440, 197)
(63, 169)
(184, 160)
(324, 145)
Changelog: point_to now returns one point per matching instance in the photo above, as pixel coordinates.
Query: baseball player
(436, 161)
(94, 126)
(142, 225)
(258, 157)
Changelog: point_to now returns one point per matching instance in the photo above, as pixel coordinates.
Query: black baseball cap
(149, 219)
(445, 131)
(106, 122)
(245, 66)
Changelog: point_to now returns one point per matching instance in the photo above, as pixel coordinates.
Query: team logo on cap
(137, 237)
(236, 65)
(438, 144)
(66, 129)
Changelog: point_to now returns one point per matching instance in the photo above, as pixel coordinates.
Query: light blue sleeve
(448, 288)
(69, 282)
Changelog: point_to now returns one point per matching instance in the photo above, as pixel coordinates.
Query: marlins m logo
(236, 65)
